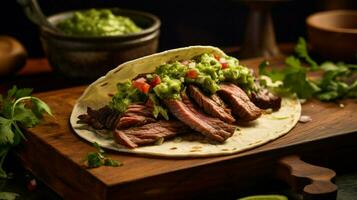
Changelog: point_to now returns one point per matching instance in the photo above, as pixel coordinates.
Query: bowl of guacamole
(91, 42)
(97, 22)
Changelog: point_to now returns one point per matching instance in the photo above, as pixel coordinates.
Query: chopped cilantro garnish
(338, 80)
(97, 159)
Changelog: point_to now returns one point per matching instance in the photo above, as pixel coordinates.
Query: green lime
(265, 197)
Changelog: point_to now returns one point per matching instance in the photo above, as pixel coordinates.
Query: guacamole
(206, 71)
(97, 23)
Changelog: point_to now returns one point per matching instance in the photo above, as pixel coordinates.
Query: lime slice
(265, 197)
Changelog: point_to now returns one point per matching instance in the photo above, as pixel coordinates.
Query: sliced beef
(212, 107)
(135, 115)
(107, 118)
(239, 102)
(189, 114)
(265, 99)
(150, 133)
(104, 118)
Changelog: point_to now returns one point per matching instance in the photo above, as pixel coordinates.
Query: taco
(186, 102)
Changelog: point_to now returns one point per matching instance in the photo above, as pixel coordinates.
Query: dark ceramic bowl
(91, 57)
(333, 34)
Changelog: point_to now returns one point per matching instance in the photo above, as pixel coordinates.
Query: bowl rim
(310, 21)
(155, 26)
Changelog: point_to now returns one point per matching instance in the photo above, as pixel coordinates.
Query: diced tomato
(217, 57)
(156, 81)
(141, 85)
(192, 74)
(224, 65)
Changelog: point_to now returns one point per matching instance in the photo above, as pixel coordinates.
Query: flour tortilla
(266, 128)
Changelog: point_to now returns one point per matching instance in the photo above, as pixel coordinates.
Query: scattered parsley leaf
(40, 107)
(111, 162)
(338, 80)
(15, 112)
(301, 51)
(97, 159)
(6, 134)
(25, 116)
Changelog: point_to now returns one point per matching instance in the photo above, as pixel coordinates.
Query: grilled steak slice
(265, 99)
(104, 118)
(107, 118)
(150, 133)
(210, 106)
(214, 122)
(239, 102)
(135, 115)
(189, 114)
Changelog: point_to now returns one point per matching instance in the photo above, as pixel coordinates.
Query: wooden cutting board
(54, 153)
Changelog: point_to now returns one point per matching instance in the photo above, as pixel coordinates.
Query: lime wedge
(265, 197)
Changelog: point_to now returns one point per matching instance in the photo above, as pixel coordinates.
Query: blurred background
(184, 22)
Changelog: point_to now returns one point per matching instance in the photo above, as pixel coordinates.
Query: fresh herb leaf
(338, 80)
(97, 159)
(40, 107)
(112, 163)
(126, 95)
(6, 133)
(94, 159)
(15, 112)
(25, 116)
(157, 108)
(302, 52)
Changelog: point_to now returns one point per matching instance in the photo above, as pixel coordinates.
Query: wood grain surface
(314, 182)
(54, 153)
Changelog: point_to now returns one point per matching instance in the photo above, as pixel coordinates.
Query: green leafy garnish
(335, 82)
(97, 159)
(301, 51)
(125, 96)
(18, 109)
(157, 108)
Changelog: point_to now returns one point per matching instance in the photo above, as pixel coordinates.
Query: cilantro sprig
(18, 109)
(98, 158)
(338, 80)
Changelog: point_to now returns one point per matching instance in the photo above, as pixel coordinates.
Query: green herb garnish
(338, 80)
(97, 159)
(157, 108)
(126, 95)
(17, 109)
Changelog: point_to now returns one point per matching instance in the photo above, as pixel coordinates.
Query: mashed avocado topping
(97, 23)
(206, 71)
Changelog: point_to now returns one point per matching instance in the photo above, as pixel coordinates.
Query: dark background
(184, 22)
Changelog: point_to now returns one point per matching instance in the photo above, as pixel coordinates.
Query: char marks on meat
(107, 118)
(135, 115)
(239, 102)
(265, 99)
(104, 118)
(213, 106)
(188, 113)
(150, 133)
